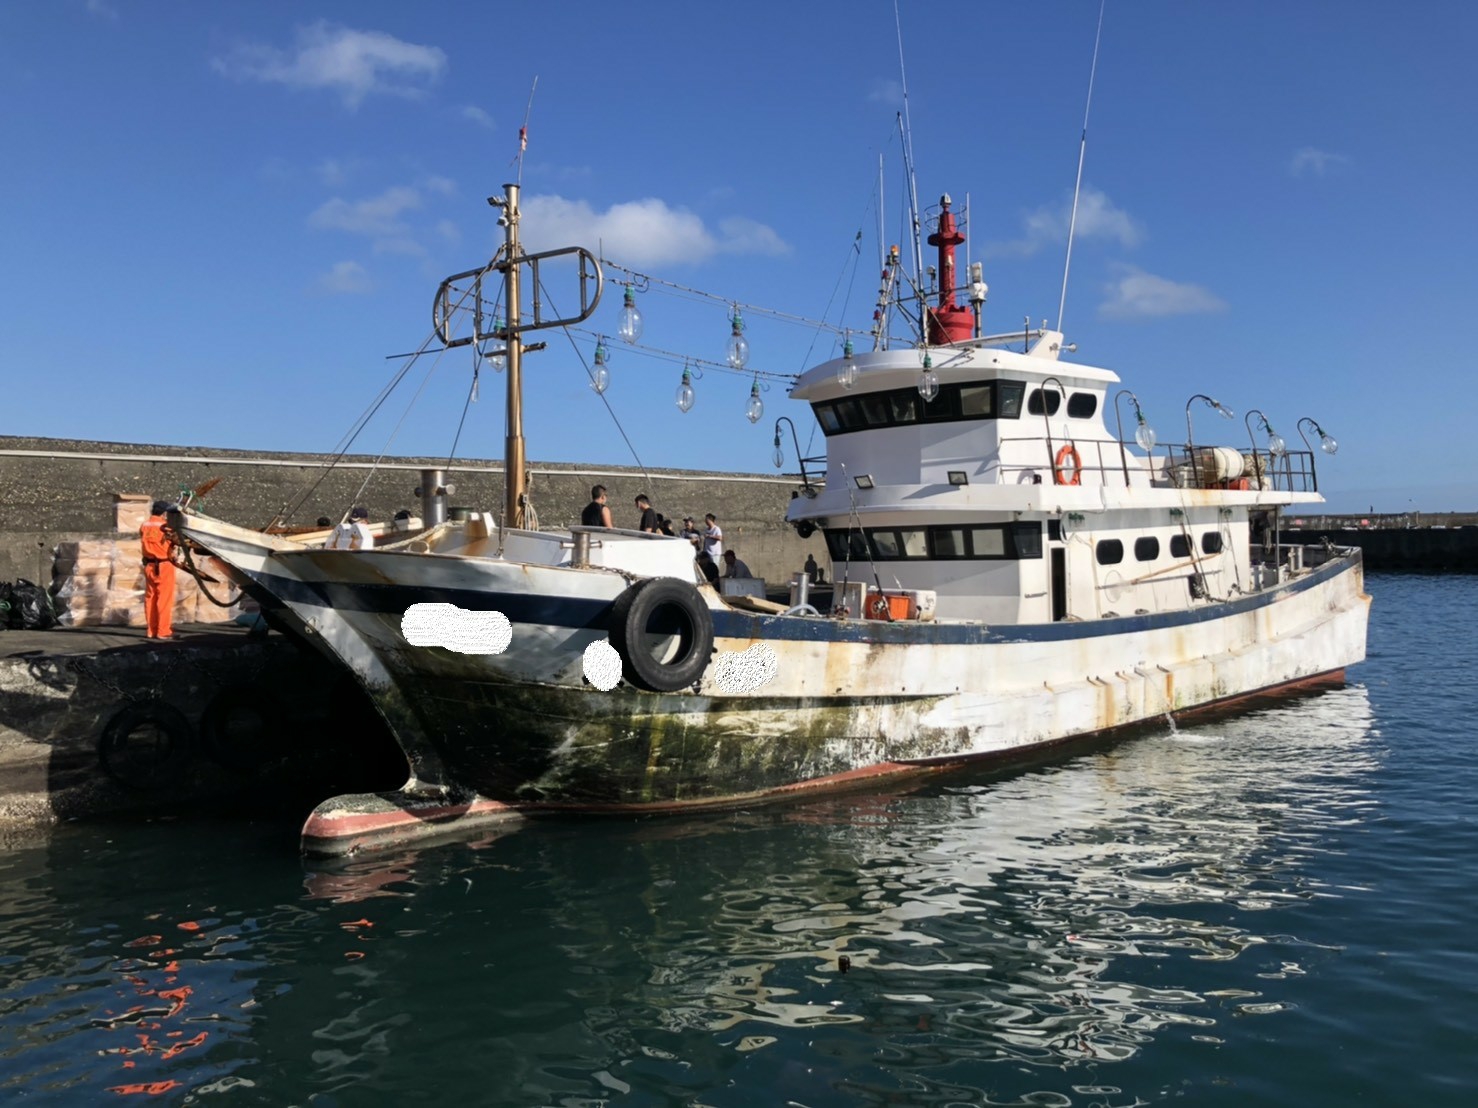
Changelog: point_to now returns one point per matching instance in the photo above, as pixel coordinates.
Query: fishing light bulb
(498, 357)
(928, 380)
(847, 371)
(1226, 413)
(755, 409)
(600, 376)
(685, 395)
(630, 326)
(1144, 434)
(738, 348)
(1328, 444)
(779, 456)
(1276, 446)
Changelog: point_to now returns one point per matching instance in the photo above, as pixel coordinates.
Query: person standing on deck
(596, 514)
(648, 522)
(157, 541)
(713, 538)
(353, 535)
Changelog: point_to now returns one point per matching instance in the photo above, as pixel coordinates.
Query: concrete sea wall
(54, 490)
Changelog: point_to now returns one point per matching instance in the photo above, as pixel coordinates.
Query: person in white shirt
(713, 537)
(354, 534)
(733, 567)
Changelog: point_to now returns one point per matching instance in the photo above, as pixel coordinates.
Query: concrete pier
(103, 722)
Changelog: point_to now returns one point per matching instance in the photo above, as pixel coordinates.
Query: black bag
(30, 607)
(4, 605)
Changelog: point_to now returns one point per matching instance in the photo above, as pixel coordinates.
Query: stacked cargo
(100, 582)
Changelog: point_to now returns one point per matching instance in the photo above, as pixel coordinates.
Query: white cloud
(102, 9)
(379, 216)
(1317, 162)
(1135, 294)
(444, 185)
(888, 92)
(346, 277)
(355, 64)
(449, 231)
(641, 232)
(478, 116)
(332, 172)
(1097, 218)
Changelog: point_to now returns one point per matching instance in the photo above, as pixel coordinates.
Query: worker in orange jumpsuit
(159, 553)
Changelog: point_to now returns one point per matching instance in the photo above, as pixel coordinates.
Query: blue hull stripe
(577, 613)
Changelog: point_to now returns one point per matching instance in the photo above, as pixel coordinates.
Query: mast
(514, 478)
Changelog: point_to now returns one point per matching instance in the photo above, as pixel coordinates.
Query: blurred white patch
(602, 665)
(747, 670)
(456, 629)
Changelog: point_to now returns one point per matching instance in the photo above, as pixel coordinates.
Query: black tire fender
(661, 606)
(242, 728)
(805, 528)
(147, 762)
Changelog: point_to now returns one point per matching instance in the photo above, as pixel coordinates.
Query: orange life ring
(1068, 452)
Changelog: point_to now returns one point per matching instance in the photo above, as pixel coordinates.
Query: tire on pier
(146, 745)
(645, 620)
(244, 728)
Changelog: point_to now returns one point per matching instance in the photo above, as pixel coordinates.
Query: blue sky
(220, 219)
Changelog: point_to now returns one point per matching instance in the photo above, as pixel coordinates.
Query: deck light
(847, 371)
(495, 355)
(630, 326)
(738, 348)
(864, 481)
(779, 456)
(1327, 443)
(755, 409)
(958, 477)
(685, 395)
(928, 380)
(600, 376)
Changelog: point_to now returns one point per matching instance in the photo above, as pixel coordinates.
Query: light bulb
(928, 384)
(600, 376)
(738, 348)
(630, 326)
(685, 395)
(1226, 413)
(1144, 434)
(779, 456)
(498, 358)
(1276, 445)
(847, 371)
(755, 409)
(928, 380)
(1328, 444)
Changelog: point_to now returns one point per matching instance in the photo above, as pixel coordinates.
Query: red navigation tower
(950, 322)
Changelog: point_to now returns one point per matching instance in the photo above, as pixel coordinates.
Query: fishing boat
(1009, 572)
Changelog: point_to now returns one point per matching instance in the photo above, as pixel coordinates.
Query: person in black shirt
(648, 515)
(596, 514)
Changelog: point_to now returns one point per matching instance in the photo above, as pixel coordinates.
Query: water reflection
(1008, 937)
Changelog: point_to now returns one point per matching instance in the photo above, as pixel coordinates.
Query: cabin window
(915, 545)
(944, 407)
(905, 405)
(947, 542)
(1180, 546)
(1054, 530)
(1211, 542)
(875, 410)
(1008, 399)
(1035, 402)
(988, 542)
(977, 401)
(1082, 405)
(850, 414)
(885, 545)
(826, 415)
(1110, 552)
(1027, 538)
(1146, 549)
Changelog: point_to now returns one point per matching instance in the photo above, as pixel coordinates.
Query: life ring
(242, 728)
(146, 745)
(649, 615)
(1069, 453)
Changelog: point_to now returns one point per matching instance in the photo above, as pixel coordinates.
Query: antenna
(907, 127)
(523, 132)
(1082, 150)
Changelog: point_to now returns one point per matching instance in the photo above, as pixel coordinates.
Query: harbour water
(1273, 908)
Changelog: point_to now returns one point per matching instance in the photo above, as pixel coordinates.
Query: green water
(1271, 909)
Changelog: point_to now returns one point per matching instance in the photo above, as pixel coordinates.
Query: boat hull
(847, 700)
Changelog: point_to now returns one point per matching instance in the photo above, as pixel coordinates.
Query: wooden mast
(514, 477)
